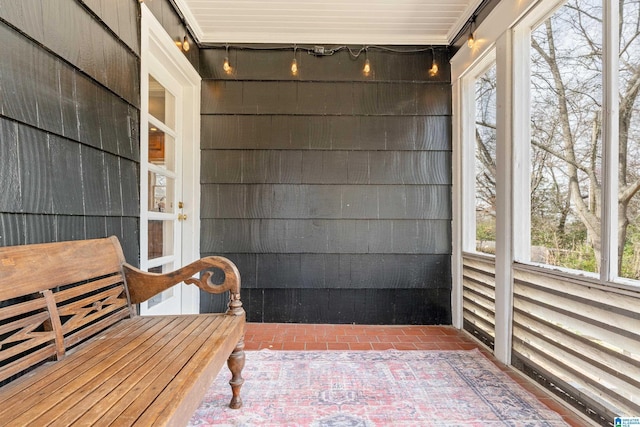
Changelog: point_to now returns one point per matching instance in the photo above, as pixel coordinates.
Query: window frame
(469, 150)
(519, 20)
(507, 33)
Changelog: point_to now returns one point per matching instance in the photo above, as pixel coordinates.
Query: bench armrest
(143, 285)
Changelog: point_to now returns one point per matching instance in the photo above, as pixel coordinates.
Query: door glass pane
(629, 142)
(160, 239)
(162, 150)
(165, 295)
(161, 193)
(161, 103)
(566, 137)
(485, 144)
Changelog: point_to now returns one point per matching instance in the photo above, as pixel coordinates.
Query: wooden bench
(74, 351)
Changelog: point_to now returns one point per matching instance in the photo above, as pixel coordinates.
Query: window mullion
(468, 128)
(521, 134)
(610, 144)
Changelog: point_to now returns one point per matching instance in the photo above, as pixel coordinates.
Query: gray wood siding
(330, 190)
(69, 119)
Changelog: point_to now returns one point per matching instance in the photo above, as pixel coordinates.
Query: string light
(366, 70)
(320, 51)
(434, 65)
(367, 67)
(471, 39)
(185, 44)
(226, 66)
(294, 63)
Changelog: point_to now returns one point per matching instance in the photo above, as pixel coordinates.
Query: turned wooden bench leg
(235, 364)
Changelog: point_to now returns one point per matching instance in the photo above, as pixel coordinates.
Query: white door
(169, 166)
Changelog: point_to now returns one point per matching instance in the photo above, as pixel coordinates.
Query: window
(566, 137)
(571, 131)
(629, 141)
(485, 161)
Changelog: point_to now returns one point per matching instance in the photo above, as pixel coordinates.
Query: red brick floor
(281, 336)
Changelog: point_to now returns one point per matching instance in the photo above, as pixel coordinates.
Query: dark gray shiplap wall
(331, 191)
(69, 118)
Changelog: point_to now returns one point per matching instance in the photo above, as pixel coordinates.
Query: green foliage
(631, 255)
(568, 247)
(486, 230)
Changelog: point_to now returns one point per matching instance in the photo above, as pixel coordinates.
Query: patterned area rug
(373, 388)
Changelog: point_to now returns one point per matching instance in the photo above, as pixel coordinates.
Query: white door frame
(157, 47)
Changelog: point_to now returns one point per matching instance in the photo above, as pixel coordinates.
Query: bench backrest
(53, 296)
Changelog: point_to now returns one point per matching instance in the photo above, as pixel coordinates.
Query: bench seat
(73, 350)
(115, 378)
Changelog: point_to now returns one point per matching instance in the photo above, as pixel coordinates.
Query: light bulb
(185, 44)
(226, 66)
(434, 69)
(471, 40)
(294, 67)
(367, 68)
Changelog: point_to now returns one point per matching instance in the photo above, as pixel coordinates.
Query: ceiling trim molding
(191, 20)
(462, 20)
(362, 39)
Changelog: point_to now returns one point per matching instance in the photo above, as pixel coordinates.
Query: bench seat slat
(146, 388)
(179, 400)
(91, 403)
(106, 402)
(182, 359)
(88, 389)
(20, 393)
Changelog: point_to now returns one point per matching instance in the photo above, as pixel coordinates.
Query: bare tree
(567, 123)
(486, 143)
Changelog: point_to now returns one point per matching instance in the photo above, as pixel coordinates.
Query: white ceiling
(393, 22)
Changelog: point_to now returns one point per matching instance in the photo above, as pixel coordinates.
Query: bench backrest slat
(32, 359)
(54, 296)
(28, 269)
(82, 334)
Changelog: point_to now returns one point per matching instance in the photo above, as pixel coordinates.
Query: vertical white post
(610, 144)
(468, 158)
(456, 211)
(521, 142)
(504, 216)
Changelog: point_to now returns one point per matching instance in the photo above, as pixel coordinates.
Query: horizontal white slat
(480, 309)
(480, 323)
(479, 293)
(591, 352)
(611, 297)
(592, 382)
(601, 313)
(487, 266)
(601, 334)
(481, 277)
(480, 288)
